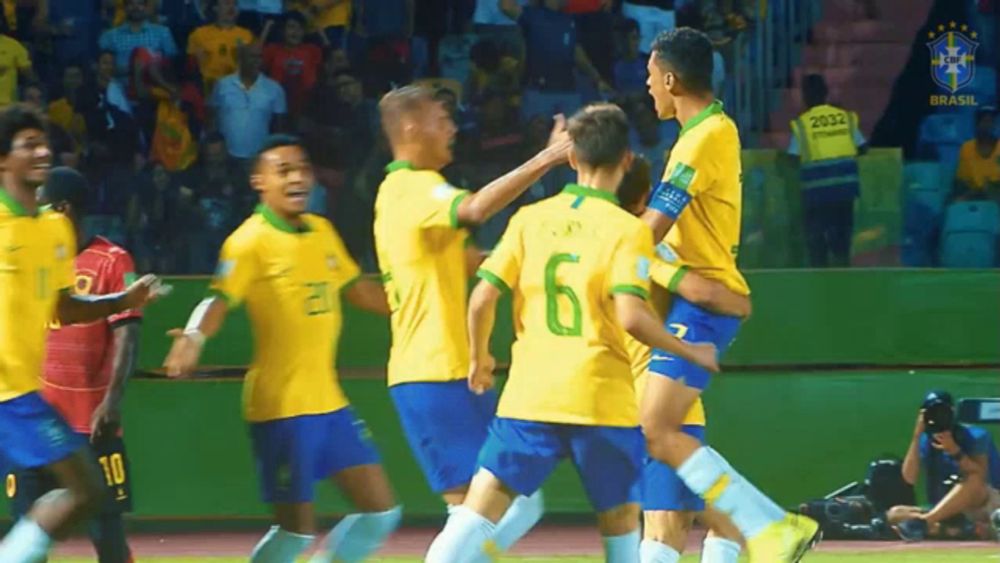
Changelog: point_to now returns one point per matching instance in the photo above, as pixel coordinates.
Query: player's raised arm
(71, 309)
(482, 318)
(483, 204)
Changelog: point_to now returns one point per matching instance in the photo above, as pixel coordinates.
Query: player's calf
(619, 527)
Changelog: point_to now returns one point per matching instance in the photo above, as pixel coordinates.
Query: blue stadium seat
(969, 237)
(925, 190)
(984, 85)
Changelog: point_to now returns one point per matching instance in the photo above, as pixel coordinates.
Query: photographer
(961, 469)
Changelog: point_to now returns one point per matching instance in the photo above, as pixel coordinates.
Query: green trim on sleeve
(675, 280)
(453, 212)
(493, 280)
(631, 290)
(230, 302)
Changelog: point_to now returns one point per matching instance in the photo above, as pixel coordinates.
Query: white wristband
(195, 335)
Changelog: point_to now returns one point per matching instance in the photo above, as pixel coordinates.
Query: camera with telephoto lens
(939, 414)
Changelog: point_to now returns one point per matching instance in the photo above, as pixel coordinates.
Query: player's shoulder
(250, 233)
(108, 248)
(51, 219)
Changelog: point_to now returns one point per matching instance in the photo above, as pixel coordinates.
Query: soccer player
(85, 370)
(703, 174)
(425, 264)
(577, 265)
(669, 507)
(36, 282)
(291, 269)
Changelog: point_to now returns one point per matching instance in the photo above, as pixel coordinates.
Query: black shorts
(26, 486)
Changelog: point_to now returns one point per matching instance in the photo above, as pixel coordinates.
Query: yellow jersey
(14, 58)
(214, 48)
(291, 280)
(668, 276)
(36, 263)
(336, 14)
(564, 259)
(421, 254)
(975, 170)
(701, 191)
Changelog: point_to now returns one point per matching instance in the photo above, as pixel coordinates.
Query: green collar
(398, 165)
(712, 109)
(15, 206)
(584, 191)
(277, 222)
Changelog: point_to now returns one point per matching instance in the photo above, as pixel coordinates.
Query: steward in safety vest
(827, 141)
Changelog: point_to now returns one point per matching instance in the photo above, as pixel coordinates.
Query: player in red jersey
(86, 367)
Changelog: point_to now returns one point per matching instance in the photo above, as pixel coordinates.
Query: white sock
(652, 551)
(750, 510)
(719, 550)
(357, 536)
(623, 548)
(462, 539)
(26, 542)
(280, 546)
(522, 515)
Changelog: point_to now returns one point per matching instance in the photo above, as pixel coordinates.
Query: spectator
(257, 15)
(653, 16)
(14, 63)
(184, 16)
(826, 141)
(553, 56)
(74, 27)
(630, 70)
(110, 90)
(327, 18)
(496, 21)
(136, 32)
(245, 107)
(385, 27)
(160, 222)
(63, 111)
(978, 172)
(493, 71)
(961, 469)
(214, 46)
(294, 64)
(222, 196)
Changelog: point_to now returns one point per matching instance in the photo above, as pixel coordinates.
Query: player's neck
(604, 180)
(413, 155)
(690, 106)
(21, 194)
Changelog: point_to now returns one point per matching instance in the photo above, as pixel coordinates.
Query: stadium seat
(925, 190)
(969, 237)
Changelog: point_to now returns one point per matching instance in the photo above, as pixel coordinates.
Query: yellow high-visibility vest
(825, 136)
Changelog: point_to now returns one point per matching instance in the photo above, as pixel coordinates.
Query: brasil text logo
(953, 56)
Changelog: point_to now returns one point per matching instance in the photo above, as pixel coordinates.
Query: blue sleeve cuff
(669, 200)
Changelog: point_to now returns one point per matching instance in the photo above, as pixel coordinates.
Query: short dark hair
(814, 89)
(14, 119)
(600, 134)
(276, 141)
(637, 183)
(688, 53)
(66, 184)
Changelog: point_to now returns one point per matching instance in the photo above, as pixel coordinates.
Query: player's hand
(481, 377)
(705, 355)
(142, 291)
(945, 442)
(183, 356)
(559, 141)
(105, 421)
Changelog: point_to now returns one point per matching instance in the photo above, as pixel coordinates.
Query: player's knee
(667, 527)
(619, 520)
(662, 439)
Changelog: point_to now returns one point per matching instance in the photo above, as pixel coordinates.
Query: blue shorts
(523, 453)
(445, 425)
(663, 489)
(33, 434)
(693, 324)
(293, 453)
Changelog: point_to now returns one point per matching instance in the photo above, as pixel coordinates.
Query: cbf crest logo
(953, 56)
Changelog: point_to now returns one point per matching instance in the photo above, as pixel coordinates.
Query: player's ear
(574, 162)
